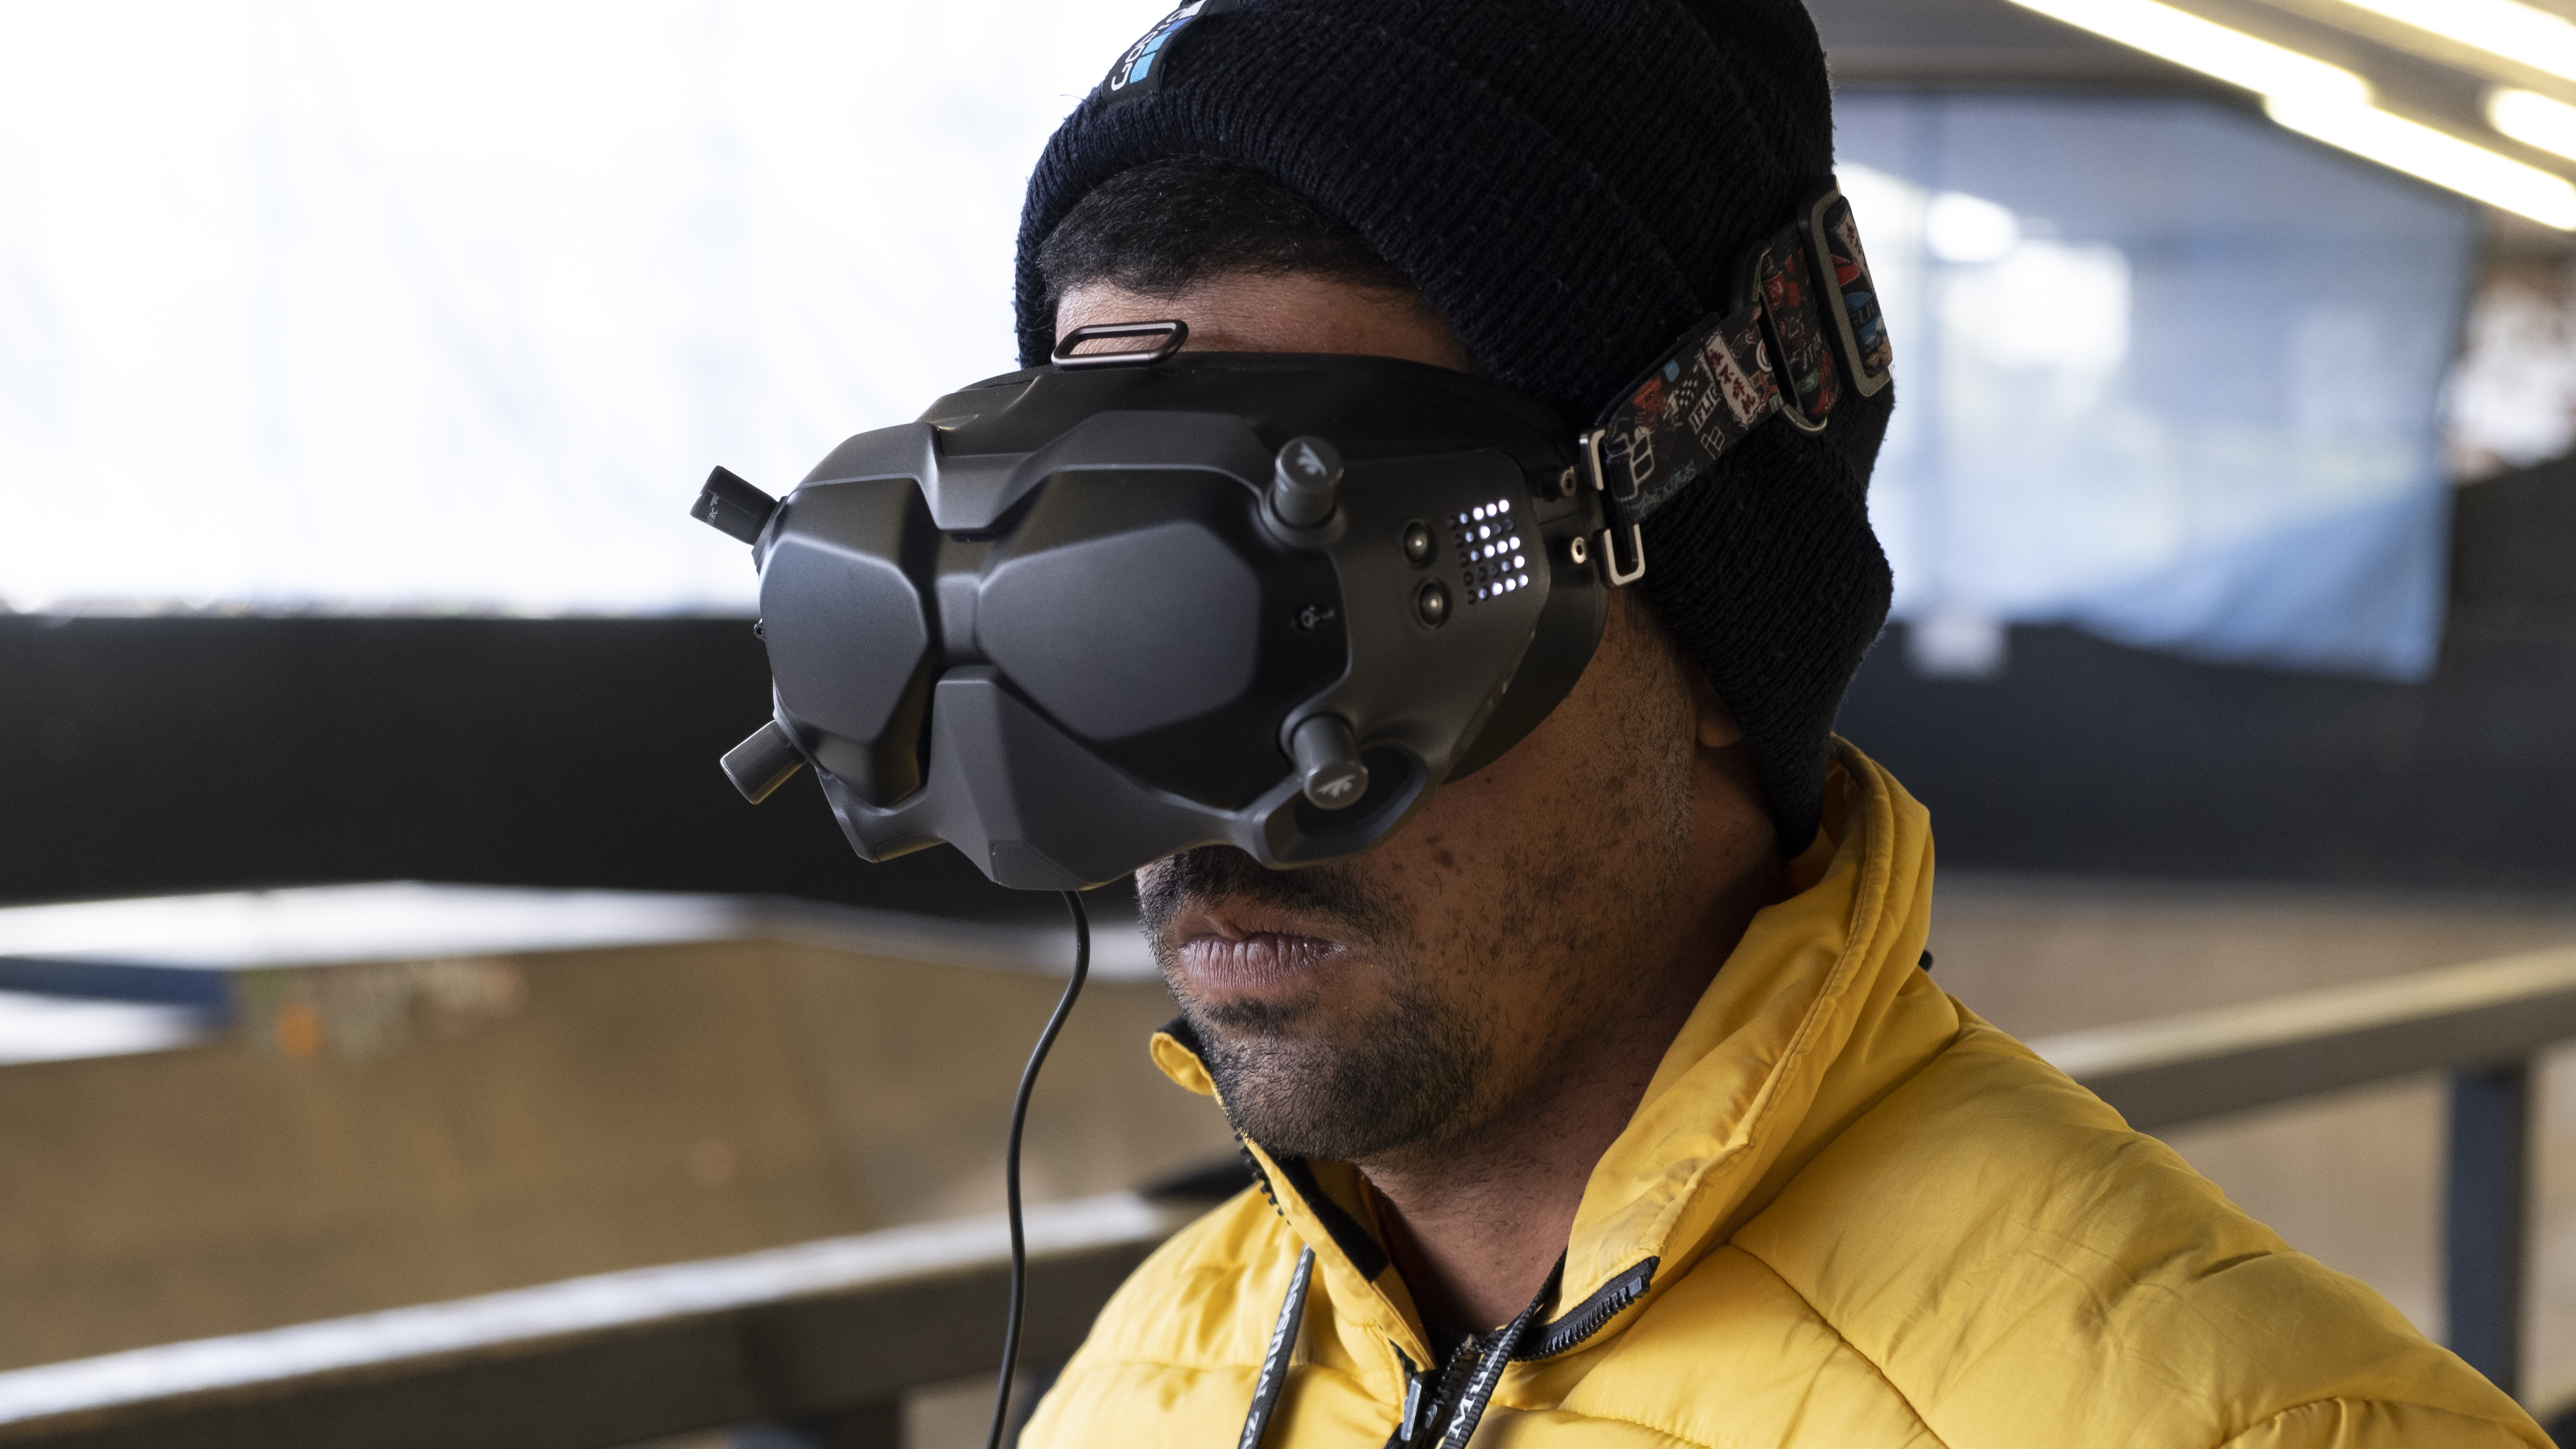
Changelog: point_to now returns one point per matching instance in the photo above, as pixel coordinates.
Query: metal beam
(820, 1331)
(2209, 1063)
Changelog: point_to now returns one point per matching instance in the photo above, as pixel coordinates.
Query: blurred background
(402, 1021)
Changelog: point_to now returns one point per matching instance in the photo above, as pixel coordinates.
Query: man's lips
(1227, 949)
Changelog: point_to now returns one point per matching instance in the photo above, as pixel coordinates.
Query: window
(451, 307)
(2165, 372)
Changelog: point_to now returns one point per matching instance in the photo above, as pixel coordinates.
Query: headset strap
(1779, 352)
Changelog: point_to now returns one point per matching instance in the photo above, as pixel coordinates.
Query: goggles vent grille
(1493, 559)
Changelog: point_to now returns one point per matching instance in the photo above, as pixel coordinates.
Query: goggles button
(1431, 605)
(1328, 760)
(1417, 544)
(1308, 478)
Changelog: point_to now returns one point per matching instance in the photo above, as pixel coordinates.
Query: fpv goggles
(1082, 616)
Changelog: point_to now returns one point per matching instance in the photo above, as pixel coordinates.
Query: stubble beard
(1405, 1077)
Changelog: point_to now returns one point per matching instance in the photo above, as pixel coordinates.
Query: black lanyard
(1493, 1355)
(1274, 1363)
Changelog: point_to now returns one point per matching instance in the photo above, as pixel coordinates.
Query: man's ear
(1717, 729)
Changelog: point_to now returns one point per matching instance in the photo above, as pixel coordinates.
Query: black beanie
(1572, 184)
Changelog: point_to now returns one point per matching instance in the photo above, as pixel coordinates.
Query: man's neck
(1476, 1222)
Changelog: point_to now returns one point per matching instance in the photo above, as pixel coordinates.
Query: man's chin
(1304, 1080)
(1291, 1096)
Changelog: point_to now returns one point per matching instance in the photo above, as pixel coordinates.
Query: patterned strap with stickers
(1811, 330)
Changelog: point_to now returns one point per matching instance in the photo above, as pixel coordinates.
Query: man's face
(1408, 996)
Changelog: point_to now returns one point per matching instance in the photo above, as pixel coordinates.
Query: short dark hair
(1163, 227)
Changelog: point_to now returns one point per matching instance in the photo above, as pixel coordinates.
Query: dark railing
(829, 1336)
(825, 1337)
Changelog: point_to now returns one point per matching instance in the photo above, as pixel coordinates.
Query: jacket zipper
(1591, 1322)
(1429, 1395)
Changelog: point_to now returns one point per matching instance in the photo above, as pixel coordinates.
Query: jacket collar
(1817, 1013)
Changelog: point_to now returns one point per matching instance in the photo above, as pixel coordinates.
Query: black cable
(1011, 1165)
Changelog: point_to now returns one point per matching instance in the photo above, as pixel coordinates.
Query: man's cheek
(1155, 901)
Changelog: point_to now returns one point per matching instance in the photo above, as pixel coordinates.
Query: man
(1610, 1096)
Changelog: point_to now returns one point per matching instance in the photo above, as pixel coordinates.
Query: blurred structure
(2513, 397)
(421, 1093)
(2087, 757)
(2236, 453)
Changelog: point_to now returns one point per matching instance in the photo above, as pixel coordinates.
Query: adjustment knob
(1329, 760)
(764, 762)
(1307, 482)
(733, 506)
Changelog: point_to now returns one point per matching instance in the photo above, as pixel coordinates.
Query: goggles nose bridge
(957, 590)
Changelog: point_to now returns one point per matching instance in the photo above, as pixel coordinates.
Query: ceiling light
(2210, 48)
(2533, 120)
(2435, 156)
(1958, 227)
(2507, 28)
(2328, 102)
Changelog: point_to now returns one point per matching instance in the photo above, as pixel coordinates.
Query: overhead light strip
(2534, 120)
(2436, 156)
(2212, 49)
(2518, 32)
(2325, 102)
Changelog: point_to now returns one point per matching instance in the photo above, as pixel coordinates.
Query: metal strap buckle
(1610, 555)
(1596, 468)
(1173, 333)
(1619, 484)
(1843, 281)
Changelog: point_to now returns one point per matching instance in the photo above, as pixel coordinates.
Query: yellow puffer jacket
(1848, 1213)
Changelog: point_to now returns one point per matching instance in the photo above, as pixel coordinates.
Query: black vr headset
(1082, 616)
